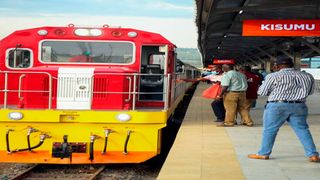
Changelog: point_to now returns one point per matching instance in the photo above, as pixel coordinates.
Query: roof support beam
(242, 59)
(239, 61)
(238, 58)
(266, 52)
(255, 60)
(282, 50)
(313, 47)
(307, 53)
(266, 6)
(249, 58)
(257, 57)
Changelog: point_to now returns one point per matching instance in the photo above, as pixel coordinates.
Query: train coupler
(62, 149)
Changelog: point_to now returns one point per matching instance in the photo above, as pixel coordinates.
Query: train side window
(179, 68)
(19, 58)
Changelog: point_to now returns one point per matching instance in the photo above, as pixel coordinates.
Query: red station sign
(223, 61)
(281, 28)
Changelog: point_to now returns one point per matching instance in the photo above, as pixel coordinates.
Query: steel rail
(27, 174)
(24, 173)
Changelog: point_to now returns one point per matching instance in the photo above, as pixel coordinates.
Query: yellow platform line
(201, 150)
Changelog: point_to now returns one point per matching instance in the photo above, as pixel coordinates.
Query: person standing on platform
(253, 81)
(217, 104)
(288, 90)
(234, 86)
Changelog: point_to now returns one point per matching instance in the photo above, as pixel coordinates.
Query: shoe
(314, 159)
(256, 156)
(249, 125)
(224, 125)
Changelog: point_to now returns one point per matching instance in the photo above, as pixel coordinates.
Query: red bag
(212, 92)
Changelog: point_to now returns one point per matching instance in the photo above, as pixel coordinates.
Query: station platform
(204, 151)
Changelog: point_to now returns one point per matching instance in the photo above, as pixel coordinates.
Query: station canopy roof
(219, 25)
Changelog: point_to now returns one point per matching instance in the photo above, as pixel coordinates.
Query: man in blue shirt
(288, 90)
(234, 86)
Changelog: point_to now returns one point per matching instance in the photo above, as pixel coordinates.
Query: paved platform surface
(204, 151)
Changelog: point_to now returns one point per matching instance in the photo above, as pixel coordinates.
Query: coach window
(19, 58)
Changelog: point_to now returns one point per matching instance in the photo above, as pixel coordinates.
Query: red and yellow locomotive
(78, 95)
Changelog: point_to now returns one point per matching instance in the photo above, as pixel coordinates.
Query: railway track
(47, 172)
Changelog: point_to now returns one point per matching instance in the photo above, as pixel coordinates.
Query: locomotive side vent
(74, 88)
(100, 86)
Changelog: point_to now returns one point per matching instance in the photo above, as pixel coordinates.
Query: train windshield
(87, 52)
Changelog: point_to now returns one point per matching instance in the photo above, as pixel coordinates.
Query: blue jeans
(275, 115)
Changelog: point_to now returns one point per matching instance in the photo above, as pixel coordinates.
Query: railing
(133, 94)
(132, 87)
(19, 90)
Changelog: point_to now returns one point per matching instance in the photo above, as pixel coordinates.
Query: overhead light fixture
(225, 36)
(218, 47)
(241, 11)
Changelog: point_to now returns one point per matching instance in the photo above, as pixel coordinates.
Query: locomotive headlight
(132, 34)
(42, 32)
(123, 117)
(95, 32)
(88, 32)
(82, 32)
(15, 115)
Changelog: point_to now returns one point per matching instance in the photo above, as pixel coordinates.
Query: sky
(174, 19)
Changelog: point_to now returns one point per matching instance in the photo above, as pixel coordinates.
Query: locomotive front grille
(74, 88)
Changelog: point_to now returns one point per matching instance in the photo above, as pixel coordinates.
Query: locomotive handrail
(167, 97)
(129, 95)
(132, 91)
(6, 90)
(20, 82)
